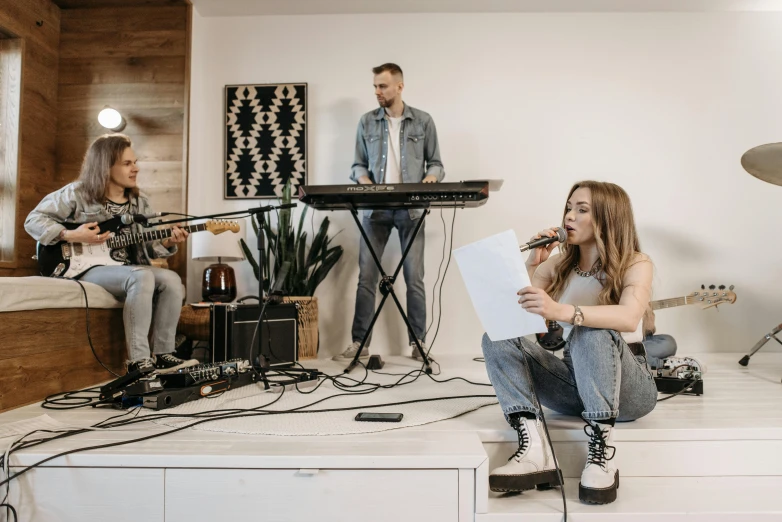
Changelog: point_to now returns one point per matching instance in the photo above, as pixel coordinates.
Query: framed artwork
(265, 139)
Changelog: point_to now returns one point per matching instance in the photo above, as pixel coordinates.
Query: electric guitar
(708, 297)
(71, 260)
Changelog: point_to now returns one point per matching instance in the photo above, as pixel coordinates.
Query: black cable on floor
(89, 335)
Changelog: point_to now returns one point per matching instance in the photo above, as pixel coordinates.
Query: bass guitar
(71, 260)
(707, 297)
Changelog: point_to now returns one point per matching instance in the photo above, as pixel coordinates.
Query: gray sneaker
(415, 354)
(350, 352)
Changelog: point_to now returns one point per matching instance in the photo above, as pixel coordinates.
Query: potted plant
(308, 266)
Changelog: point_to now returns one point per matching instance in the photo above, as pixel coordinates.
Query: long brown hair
(616, 238)
(103, 153)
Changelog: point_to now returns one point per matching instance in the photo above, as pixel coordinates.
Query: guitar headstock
(218, 226)
(712, 296)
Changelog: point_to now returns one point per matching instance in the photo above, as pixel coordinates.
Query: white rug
(439, 404)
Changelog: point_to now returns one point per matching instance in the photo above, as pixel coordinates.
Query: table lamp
(219, 281)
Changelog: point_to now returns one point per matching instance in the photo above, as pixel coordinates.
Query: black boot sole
(516, 483)
(599, 495)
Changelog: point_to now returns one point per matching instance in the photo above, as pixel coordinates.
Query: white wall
(662, 104)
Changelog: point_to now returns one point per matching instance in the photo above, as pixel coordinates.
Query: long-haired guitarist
(600, 284)
(107, 188)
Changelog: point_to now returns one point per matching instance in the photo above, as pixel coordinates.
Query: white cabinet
(292, 495)
(50, 494)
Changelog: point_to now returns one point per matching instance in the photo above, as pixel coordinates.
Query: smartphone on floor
(366, 416)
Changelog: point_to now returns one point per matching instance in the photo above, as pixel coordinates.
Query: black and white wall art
(265, 139)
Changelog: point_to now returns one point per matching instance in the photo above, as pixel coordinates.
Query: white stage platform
(712, 458)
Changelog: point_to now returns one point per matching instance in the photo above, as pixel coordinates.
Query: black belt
(637, 348)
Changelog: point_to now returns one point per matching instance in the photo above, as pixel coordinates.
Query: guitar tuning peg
(730, 288)
(703, 287)
(712, 287)
(722, 287)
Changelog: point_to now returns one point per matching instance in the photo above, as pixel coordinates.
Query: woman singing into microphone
(597, 287)
(153, 296)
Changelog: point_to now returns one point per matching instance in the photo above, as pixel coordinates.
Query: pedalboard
(675, 385)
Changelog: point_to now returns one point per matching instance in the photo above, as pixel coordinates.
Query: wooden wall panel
(91, 54)
(84, 4)
(37, 23)
(133, 59)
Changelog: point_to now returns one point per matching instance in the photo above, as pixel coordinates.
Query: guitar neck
(669, 303)
(123, 240)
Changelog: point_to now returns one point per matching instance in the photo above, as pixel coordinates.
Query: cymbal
(764, 162)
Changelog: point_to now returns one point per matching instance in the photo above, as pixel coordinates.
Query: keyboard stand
(387, 288)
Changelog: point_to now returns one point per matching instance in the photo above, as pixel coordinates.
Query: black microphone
(543, 241)
(128, 219)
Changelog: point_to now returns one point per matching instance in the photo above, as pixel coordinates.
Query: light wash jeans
(141, 287)
(658, 347)
(378, 227)
(598, 377)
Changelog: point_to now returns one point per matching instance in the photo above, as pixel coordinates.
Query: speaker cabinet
(232, 327)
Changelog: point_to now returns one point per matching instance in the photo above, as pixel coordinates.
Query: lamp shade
(209, 247)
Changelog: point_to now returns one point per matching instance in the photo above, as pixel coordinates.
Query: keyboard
(464, 194)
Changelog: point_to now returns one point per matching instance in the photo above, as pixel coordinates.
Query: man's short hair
(393, 68)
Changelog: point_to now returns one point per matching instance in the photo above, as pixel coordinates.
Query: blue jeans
(597, 379)
(378, 227)
(141, 287)
(658, 347)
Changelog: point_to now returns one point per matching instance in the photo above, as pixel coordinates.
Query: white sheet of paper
(493, 271)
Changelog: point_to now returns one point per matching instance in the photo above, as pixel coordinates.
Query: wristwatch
(578, 316)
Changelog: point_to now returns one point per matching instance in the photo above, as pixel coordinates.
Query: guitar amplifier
(232, 325)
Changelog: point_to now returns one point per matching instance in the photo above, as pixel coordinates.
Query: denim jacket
(69, 205)
(420, 151)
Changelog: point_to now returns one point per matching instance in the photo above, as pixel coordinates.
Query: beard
(386, 102)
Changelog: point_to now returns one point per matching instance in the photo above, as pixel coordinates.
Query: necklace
(595, 269)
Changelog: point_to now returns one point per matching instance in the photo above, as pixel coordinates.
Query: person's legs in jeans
(598, 379)
(551, 378)
(612, 382)
(136, 286)
(413, 270)
(613, 385)
(378, 228)
(658, 347)
(169, 296)
(518, 369)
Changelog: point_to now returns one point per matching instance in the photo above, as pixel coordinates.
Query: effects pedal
(675, 385)
(678, 374)
(114, 389)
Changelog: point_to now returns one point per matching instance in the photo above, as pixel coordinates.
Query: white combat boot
(599, 481)
(531, 465)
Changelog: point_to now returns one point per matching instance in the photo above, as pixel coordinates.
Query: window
(10, 98)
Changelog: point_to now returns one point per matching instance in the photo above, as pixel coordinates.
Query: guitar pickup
(66, 251)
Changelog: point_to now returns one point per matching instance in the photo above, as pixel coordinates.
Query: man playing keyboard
(394, 144)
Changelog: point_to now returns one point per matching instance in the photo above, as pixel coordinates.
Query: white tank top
(584, 291)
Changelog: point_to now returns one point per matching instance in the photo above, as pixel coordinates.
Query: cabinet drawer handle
(308, 472)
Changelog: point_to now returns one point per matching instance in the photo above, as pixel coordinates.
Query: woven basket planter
(194, 323)
(308, 325)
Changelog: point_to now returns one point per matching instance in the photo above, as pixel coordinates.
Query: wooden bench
(43, 340)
